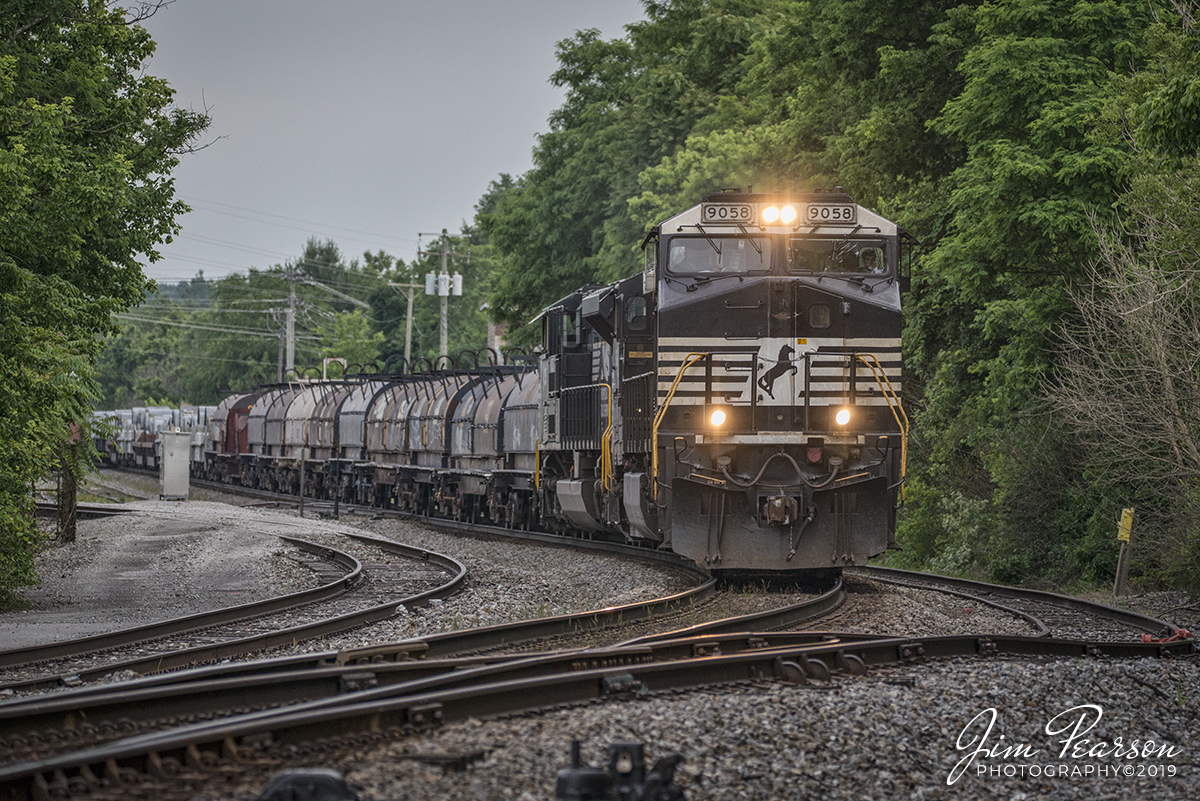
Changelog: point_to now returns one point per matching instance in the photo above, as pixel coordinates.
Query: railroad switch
(1167, 636)
(621, 683)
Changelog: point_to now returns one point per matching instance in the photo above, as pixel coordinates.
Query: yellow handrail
(688, 361)
(893, 402)
(889, 393)
(606, 468)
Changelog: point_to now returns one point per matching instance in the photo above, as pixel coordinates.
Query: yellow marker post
(1124, 532)
(1125, 526)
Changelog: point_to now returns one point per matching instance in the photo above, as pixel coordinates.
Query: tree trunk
(68, 487)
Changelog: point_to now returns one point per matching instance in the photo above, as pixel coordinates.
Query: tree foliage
(1127, 384)
(346, 335)
(630, 103)
(87, 143)
(200, 340)
(996, 132)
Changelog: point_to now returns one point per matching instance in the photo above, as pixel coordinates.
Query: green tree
(346, 335)
(629, 103)
(199, 340)
(1126, 384)
(993, 291)
(87, 143)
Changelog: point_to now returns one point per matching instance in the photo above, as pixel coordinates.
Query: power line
(294, 219)
(219, 329)
(195, 260)
(208, 240)
(205, 309)
(248, 361)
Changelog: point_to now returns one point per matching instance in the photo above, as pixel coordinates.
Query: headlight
(843, 417)
(778, 214)
(717, 418)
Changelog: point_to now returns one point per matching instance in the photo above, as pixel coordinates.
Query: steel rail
(131, 636)
(225, 742)
(436, 645)
(1038, 624)
(118, 707)
(85, 511)
(1124, 616)
(669, 558)
(789, 615)
(258, 642)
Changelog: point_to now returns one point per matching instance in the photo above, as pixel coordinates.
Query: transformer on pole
(443, 284)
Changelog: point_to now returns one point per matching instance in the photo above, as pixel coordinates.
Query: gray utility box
(174, 463)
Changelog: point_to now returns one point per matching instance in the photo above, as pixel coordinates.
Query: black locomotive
(737, 402)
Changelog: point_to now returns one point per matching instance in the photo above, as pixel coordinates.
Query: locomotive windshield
(709, 255)
(861, 256)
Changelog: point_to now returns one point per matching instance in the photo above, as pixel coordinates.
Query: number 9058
(830, 214)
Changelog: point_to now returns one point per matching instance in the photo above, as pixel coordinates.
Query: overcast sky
(361, 121)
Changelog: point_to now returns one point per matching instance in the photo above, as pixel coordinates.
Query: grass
(11, 602)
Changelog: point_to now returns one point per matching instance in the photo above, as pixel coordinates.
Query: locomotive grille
(584, 416)
(637, 412)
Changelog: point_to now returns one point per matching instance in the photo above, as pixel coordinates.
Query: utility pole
(444, 327)
(290, 363)
(279, 361)
(292, 276)
(408, 322)
(443, 285)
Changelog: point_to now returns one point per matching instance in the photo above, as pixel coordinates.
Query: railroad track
(1049, 614)
(205, 644)
(339, 702)
(324, 507)
(1053, 615)
(235, 631)
(349, 705)
(33, 726)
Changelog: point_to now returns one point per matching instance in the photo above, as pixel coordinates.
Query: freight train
(738, 402)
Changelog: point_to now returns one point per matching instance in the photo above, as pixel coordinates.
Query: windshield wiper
(707, 238)
(698, 280)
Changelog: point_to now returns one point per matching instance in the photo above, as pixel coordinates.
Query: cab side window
(635, 314)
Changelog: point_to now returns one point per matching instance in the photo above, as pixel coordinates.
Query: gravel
(875, 607)
(891, 734)
(167, 561)
(175, 558)
(897, 732)
(507, 582)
